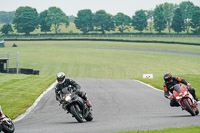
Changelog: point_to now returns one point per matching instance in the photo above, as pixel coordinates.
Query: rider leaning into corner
(66, 82)
(170, 81)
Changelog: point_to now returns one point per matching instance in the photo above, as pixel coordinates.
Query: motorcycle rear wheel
(189, 108)
(75, 110)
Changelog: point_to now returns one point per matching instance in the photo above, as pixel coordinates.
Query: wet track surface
(118, 105)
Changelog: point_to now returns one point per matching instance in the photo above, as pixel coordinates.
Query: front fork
(191, 101)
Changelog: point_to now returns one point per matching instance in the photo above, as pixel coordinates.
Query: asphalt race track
(118, 105)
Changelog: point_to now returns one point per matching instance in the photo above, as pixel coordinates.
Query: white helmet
(61, 77)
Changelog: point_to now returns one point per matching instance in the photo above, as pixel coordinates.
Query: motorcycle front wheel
(76, 112)
(189, 108)
(89, 117)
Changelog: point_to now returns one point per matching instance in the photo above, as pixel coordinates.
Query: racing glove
(188, 85)
(170, 97)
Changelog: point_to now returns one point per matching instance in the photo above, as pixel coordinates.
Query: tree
(178, 21)
(6, 28)
(25, 20)
(84, 20)
(187, 9)
(44, 25)
(56, 17)
(150, 19)
(122, 21)
(103, 21)
(168, 12)
(159, 20)
(139, 21)
(195, 22)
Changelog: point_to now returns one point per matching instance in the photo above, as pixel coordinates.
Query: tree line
(179, 18)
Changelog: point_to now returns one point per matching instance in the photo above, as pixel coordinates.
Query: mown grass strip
(169, 130)
(18, 92)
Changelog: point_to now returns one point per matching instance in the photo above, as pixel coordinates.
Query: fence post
(17, 63)
(7, 66)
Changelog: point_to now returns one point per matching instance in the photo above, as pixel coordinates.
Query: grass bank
(18, 91)
(170, 130)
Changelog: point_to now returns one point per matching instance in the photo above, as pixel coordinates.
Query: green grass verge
(104, 44)
(81, 59)
(77, 61)
(170, 130)
(18, 91)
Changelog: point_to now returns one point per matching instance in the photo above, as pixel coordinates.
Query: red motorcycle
(185, 99)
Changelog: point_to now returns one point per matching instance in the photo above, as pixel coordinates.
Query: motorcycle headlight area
(178, 97)
(68, 98)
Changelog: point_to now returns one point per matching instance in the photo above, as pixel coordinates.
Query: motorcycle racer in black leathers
(170, 81)
(66, 82)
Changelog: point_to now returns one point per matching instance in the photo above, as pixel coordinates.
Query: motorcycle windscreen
(177, 88)
(66, 90)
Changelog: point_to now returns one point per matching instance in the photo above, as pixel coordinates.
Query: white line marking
(34, 104)
(149, 85)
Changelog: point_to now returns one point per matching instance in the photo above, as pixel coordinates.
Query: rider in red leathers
(170, 81)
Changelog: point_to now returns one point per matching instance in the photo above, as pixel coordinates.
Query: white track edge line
(34, 104)
(149, 85)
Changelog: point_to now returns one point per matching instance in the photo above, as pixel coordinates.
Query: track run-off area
(118, 105)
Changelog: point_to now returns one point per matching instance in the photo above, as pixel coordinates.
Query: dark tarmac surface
(118, 105)
(145, 50)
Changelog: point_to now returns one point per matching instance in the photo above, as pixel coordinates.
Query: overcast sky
(71, 7)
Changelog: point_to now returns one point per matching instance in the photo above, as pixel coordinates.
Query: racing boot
(196, 98)
(192, 91)
(88, 103)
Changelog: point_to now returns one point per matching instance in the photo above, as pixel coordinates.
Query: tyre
(89, 117)
(0, 127)
(8, 128)
(189, 108)
(197, 112)
(76, 112)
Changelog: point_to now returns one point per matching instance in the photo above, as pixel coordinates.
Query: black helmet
(168, 77)
(61, 77)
